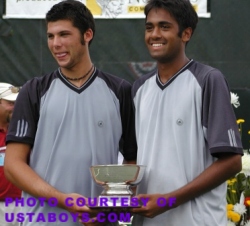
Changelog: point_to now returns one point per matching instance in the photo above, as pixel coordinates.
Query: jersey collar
(163, 86)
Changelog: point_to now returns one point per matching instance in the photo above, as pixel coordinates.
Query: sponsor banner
(103, 9)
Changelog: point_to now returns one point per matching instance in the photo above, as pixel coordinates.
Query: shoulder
(205, 74)
(42, 80)
(203, 70)
(115, 83)
(140, 81)
(39, 84)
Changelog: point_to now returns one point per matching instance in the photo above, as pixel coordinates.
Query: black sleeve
(129, 146)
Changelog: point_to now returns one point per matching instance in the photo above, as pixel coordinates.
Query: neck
(77, 78)
(167, 70)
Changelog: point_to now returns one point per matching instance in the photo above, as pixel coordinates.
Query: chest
(181, 99)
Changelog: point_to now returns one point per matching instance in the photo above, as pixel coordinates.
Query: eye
(148, 27)
(64, 34)
(165, 26)
(49, 36)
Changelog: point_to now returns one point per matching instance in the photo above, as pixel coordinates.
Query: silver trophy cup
(117, 181)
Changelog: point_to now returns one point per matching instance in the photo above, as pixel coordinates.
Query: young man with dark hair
(68, 120)
(186, 129)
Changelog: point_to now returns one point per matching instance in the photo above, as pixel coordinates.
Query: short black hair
(182, 10)
(76, 12)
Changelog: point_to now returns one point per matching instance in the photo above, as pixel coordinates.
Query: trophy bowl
(117, 181)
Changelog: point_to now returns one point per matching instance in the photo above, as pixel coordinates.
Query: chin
(63, 65)
(162, 59)
(157, 57)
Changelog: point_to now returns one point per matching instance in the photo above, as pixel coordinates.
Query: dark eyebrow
(159, 23)
(164, 23)
(148, 23)
(60, 32)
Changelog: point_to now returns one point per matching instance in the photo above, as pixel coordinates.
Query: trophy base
(116, 201)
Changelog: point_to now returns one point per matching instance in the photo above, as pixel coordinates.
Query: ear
(186, 34)
(88, 35)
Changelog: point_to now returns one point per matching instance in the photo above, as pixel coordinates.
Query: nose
(55, 41)
(156, 33)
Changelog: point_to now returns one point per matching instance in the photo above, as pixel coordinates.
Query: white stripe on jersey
(22, 127)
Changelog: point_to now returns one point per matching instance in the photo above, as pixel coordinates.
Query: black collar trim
(84, 86)
(163, 86)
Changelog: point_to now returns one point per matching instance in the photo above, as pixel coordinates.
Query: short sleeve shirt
(181, 126)
(70, 129)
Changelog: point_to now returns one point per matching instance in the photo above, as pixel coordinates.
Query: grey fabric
(71, 129)
(180, 128)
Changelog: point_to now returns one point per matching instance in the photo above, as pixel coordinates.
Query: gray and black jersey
(71, 129)
(181, 127)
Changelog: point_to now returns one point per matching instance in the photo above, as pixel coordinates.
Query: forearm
(209, 179)
(20, 173)
(27, 180)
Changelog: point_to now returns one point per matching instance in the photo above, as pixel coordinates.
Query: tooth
(157, 45)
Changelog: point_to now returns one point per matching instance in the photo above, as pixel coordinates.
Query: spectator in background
(8, 95)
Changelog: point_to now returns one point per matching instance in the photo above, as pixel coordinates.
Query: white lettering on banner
(119, 9)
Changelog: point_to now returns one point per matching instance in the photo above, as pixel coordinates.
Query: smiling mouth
(156, 45)
(60, 55)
